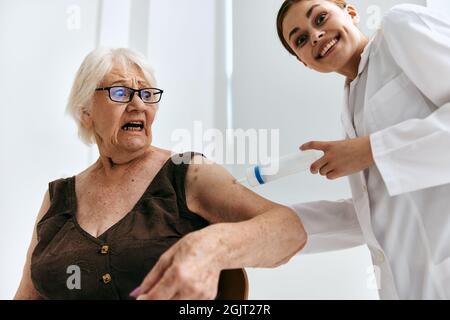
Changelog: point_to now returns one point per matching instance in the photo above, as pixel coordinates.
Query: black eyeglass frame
(133, 91)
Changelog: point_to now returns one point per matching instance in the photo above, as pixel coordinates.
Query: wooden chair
(233, 285)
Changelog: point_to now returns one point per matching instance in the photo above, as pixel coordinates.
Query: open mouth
(328, 48)
(133, 126)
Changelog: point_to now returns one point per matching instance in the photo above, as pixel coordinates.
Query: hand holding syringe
(287, 165)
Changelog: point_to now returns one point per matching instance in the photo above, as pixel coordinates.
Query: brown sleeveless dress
(116, 262)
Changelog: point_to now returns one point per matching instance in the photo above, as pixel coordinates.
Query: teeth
(328, 47)
(134, 126)
(132, 129)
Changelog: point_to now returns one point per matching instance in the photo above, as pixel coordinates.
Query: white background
(186, 42)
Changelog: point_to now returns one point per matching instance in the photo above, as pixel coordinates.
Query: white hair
(91, 73)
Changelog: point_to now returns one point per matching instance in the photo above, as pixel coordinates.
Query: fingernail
(140, 297)
(136, 292)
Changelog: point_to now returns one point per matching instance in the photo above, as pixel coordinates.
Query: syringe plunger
(282, 167)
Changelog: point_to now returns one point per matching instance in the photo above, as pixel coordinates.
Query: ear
(86, 119)
(351, 10)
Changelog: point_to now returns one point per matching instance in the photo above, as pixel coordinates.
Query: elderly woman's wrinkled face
(122, 127)
(322, 35)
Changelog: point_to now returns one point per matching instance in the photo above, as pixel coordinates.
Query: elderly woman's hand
(189, 270)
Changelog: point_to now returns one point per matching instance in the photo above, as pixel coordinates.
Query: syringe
(287, 165)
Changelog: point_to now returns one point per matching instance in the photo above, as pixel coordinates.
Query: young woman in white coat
(396, 153)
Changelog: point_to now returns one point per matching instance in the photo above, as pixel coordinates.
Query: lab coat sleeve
(415, 154)
(329, 225)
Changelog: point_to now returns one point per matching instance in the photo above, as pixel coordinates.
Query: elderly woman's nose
(136, 103)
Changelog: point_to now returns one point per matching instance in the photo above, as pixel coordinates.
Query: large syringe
(279, 168)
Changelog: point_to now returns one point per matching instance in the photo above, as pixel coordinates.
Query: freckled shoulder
(203, 169)
(193, 171)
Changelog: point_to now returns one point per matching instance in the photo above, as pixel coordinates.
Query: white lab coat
(401, 206)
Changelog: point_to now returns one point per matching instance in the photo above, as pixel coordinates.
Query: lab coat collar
(364, 57)
(346, 116)
(362, 63)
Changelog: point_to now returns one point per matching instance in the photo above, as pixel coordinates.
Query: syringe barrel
(282, 167)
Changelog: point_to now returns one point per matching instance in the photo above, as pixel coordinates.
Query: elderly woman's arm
(26, 290)
(247, 231)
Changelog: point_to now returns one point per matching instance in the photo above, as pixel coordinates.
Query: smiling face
(322, 35)
(121, 128)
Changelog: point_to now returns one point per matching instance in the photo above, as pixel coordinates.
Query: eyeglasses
(124, 94)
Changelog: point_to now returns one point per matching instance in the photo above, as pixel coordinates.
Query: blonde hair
(91, 73)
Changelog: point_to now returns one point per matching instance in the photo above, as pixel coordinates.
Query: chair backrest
(233, 285)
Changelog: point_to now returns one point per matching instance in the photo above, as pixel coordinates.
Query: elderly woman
(139, 221)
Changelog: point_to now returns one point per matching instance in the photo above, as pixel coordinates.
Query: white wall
(181, 48)
(42, 48)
